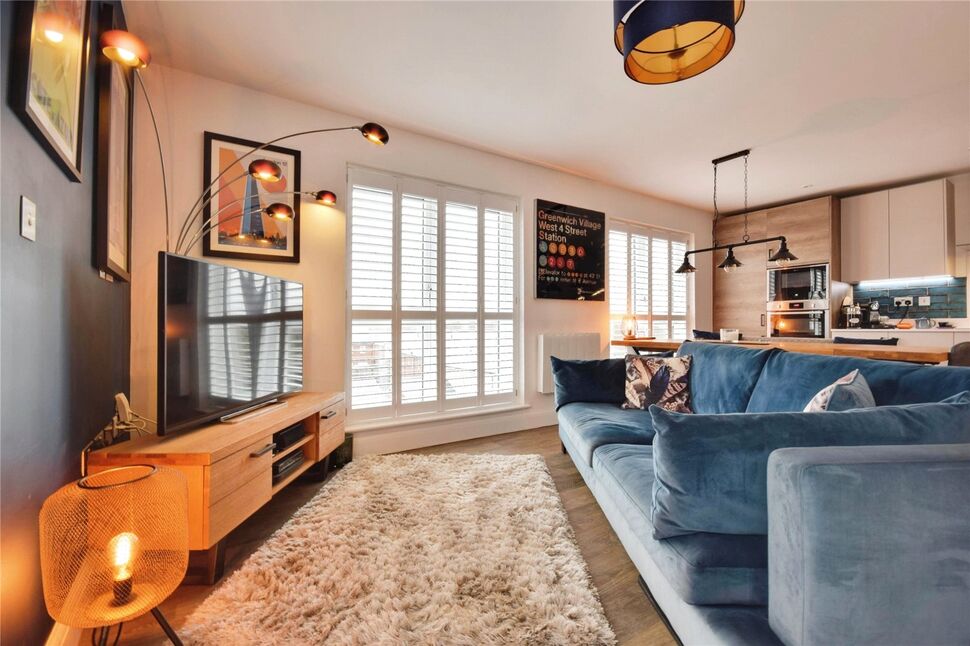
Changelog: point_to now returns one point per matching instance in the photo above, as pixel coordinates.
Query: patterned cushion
(848, 392)
(660, 381)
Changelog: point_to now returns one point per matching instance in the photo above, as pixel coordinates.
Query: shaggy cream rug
(403, 549)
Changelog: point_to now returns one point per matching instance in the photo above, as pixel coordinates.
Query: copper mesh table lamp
(113, 545)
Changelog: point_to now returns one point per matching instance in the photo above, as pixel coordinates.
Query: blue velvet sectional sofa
(751, 522)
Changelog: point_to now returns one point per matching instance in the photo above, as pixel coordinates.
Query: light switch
(28, 218)
(924, 301)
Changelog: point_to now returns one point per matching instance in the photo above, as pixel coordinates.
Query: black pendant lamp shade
(730, 263)
(664, 41)
(686, 267)
(783, 256)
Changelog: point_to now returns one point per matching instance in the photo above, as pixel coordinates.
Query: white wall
(187, 105)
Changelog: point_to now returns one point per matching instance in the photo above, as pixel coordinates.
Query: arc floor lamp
(129, 50)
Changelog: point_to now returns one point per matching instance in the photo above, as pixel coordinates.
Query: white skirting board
(583, 345)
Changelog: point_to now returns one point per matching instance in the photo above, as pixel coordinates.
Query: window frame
(631, 228)
(400, 184)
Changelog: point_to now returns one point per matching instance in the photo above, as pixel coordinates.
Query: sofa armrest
(869, 544)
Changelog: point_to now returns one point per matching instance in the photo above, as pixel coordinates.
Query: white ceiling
(829, 96)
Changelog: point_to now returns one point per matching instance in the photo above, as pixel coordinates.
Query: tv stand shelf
(228, 465)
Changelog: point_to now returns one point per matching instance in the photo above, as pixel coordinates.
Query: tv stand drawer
(239, 505)
(228, 474)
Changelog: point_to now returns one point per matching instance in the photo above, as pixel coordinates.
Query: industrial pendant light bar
(781, 257)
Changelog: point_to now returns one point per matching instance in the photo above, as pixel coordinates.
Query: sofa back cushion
(722, 377)
(596, 381)
(790, 380)
(710, 471)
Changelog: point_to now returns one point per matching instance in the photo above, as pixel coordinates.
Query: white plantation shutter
(371, 244)
(642, 281)
(433, 317)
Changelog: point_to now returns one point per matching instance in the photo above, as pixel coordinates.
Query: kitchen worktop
(899, 331)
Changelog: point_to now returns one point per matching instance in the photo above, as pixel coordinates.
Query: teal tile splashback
(948, 298)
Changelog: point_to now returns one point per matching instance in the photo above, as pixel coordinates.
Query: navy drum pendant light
(665, 41)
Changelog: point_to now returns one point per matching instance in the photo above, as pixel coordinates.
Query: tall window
(642, 261)
(433, 297)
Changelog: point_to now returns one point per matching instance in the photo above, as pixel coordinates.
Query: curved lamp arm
(205, 228)
(187, 223)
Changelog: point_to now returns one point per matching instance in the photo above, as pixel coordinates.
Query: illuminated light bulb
(53, 36)
(126, 55)
(122, 549)
(375, 133)
(327, 198)
(279, 211)
(265, 170)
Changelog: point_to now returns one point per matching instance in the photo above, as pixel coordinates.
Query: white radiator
(584, 345)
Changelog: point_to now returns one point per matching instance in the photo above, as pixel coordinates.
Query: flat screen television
(228, 340)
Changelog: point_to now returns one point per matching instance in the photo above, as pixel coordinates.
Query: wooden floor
(633, 618)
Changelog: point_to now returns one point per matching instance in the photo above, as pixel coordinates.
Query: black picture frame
(23, 59)
(570, 252)
(112, 191)
(291, 188)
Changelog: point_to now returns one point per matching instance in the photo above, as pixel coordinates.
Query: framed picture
(51, 55)
(113, 188)
(570, 252)
(240, 229)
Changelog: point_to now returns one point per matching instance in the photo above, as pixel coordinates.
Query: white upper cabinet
(921, 230)
(961, 207)
(904, 232)
(865, 237)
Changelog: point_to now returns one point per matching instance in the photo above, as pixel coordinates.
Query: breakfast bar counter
(864, 351)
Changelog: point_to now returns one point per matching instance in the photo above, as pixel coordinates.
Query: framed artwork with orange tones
(242, 223)
(50, 57)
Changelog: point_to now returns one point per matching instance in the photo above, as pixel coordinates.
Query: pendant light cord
(746, 236)
(714, 226)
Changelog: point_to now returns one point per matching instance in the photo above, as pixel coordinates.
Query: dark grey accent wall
(64, 345)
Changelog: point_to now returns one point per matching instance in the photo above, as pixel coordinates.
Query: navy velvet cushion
(790, 380)
(596, 381)
(705, 335)
(722, 377)
(711, 470)
(847, 340)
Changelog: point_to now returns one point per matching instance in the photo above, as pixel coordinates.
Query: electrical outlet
(28, 218)
(903, 301)
(924, 301)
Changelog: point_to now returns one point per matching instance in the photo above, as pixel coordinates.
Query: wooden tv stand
(229, 465)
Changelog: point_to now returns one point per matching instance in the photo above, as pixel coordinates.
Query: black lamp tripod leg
(169, 632)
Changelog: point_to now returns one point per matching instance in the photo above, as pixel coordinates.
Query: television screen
(228, 340)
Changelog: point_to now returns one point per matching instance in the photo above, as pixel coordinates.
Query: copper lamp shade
(327, 198)
(114, 544)
(665, 41)
(279, 211)
(375, 133)
(126, 48)
(265, 170)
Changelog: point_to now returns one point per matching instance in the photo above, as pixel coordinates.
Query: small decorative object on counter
(730, 334)
(629, 326)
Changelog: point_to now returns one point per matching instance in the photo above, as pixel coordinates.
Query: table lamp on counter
(114, 545)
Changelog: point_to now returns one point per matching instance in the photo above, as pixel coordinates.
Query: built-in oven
(810, 283)
(798, 302)
(799, 324)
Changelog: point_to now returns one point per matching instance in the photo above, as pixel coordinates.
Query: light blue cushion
(847, 393)
(595, 381)
(590, 426)
(870, 545)
(722, 377)
(790, 380)
(704, 569)
(711, 469)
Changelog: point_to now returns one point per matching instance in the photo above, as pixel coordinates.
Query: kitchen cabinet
(739, 296)
(904, 232)
(961, 207)
(865, 237)
(921, 230)
(812, 231)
